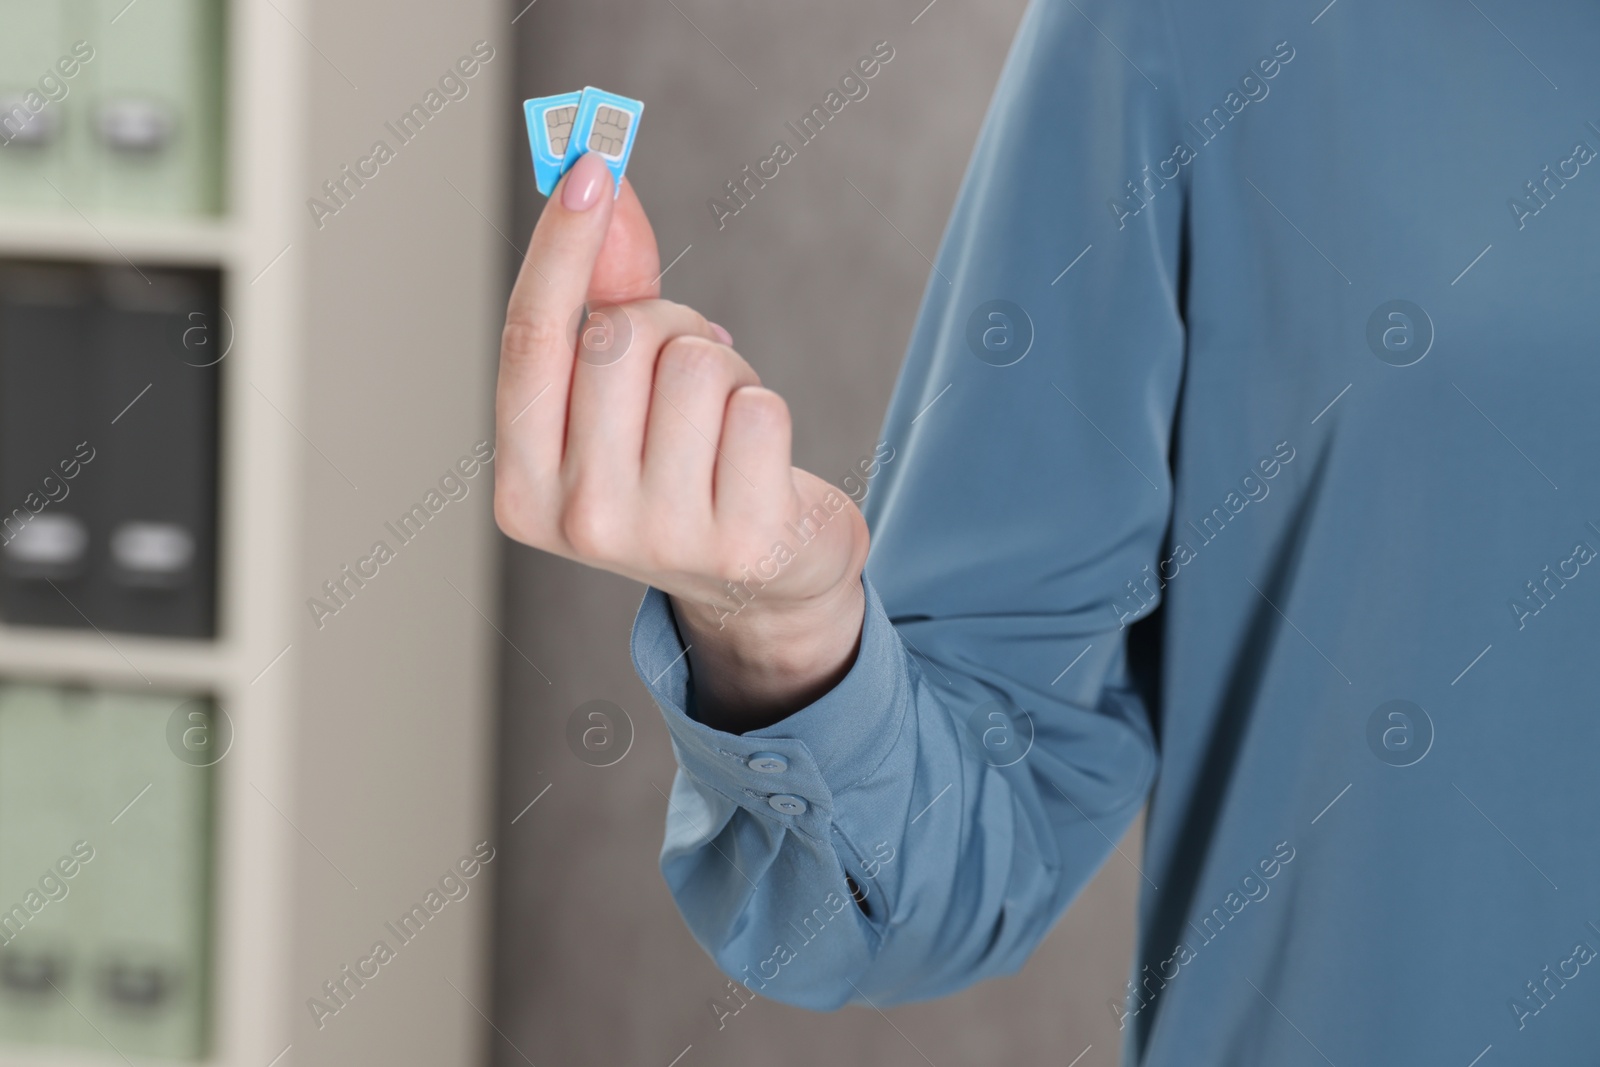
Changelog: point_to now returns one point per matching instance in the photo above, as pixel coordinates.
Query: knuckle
(695, 320)
(507, 519)
(760, 410)
(512, 514)
(681, 317)
(694, 358)
(520, 340)
(590, 528)
(740, 373)
(736, 565)
(765, 404)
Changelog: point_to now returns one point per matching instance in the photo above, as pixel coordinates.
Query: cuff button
(767, 763)
(786, 804)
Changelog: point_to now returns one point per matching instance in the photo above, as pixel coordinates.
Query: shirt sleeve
(923, 824)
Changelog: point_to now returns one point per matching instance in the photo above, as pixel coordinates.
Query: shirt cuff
(791, 769)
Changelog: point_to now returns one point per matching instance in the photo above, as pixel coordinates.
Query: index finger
(555, 273)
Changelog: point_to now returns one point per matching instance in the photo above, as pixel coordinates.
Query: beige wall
(593, 964)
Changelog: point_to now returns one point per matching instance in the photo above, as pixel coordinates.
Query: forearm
(880, 791)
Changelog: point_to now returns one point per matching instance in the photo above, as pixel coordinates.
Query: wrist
(766, 661)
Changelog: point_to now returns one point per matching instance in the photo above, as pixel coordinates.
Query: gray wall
(593, 964)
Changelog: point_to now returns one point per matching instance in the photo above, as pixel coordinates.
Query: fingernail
(722, 335)
(585, 182)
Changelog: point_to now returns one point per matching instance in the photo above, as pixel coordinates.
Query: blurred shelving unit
(359, 370)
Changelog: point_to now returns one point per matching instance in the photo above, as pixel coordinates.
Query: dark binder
(157, 352)
(108, 447)
(47, 331)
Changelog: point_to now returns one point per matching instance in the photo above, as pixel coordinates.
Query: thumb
(629, 265)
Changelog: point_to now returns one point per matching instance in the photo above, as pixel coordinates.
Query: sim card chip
(558, 127)
(550, 124)
(609, 133)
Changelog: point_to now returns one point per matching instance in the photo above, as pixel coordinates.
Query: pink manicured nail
(722, 335)
(585, 182)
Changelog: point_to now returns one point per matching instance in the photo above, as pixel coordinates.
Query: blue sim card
(550, 125)
(606, 124)
(563, 127)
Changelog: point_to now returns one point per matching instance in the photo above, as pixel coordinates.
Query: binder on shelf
(110, 831)
(154, 128)
(35, 119)
(47, 827)
(158, 342)
(108, 448)
(142, 927)
(47, 429)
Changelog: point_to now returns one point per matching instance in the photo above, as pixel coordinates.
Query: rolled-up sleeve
(923, 824)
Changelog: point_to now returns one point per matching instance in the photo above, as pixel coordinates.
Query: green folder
(39, 108)
(120, 964)
(154, 129)
(43, 813)
(143, 934)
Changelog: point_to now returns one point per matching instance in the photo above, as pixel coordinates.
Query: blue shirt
(1245, 464)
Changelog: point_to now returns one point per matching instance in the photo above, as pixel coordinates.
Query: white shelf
(42, 1056)
(201, 243)
(115, 660)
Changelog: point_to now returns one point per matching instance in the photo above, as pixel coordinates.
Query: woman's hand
(630, 436)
